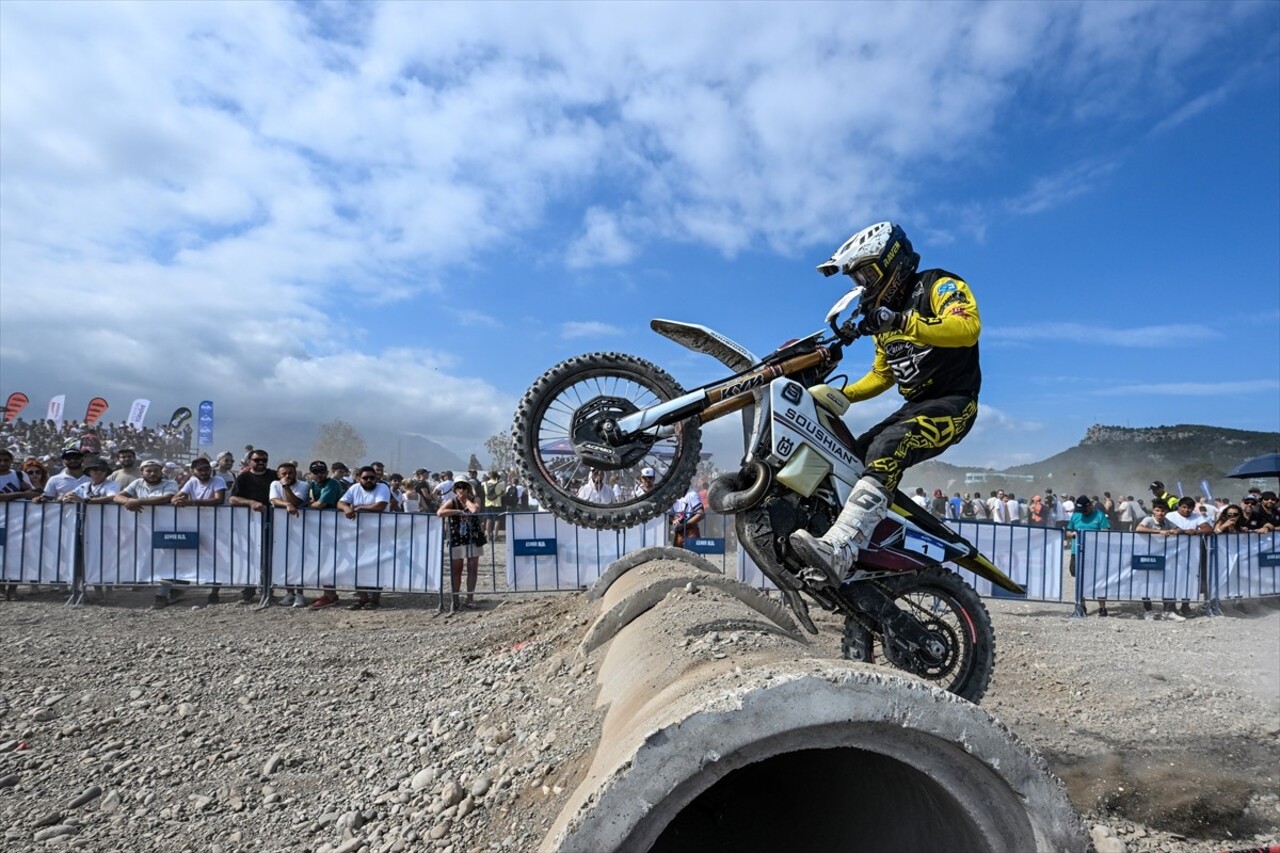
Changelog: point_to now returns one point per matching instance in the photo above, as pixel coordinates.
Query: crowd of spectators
(1255, 512)
(45, 439)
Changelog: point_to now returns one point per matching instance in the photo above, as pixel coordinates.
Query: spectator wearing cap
(1086, 515)
(646, 482)
(1269, 510)
(324, 492)
(99, 489)
(226, 467)
(151, 489)
(126, 467)
(67, 480)
(1159, 495)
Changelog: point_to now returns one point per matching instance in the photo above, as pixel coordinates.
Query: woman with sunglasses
(1230, 520)
(466, 539)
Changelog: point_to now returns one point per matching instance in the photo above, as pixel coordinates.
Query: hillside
(1123, 461)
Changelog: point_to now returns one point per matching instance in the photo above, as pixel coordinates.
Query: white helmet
(880, 259)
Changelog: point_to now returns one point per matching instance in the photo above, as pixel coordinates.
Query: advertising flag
(138, 413)
(55, 408)
(97, 406)
(1208, 494)
(179, 417)
(16, 403)
(204, 425)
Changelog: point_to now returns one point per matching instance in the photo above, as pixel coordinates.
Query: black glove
(881, 320)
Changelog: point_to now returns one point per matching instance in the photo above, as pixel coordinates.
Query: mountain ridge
(1120, 460)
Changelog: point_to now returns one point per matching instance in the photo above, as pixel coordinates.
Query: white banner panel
(392, 551)
(38, 542)
(750, 574)
(1246, 565)
(197, 545)
(1032, 556)
(544, 552)
(1132, 566)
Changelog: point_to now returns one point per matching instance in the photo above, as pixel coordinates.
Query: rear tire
(951, 610)
(542, 430)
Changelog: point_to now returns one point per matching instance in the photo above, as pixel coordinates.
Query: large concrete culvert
(723, 731)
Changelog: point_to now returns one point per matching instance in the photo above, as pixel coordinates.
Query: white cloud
(1129, 337)
(602, 242)
(1240, 388)
(588, 329)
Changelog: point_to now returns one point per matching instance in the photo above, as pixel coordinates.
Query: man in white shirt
(98, 489)
(996, 509)
(1013, 509)
(444, 491)
(367, 495)
(203, 488)
(686, 515)
(150, 489)
(68, 479)
(596, 490)
(1190, 523)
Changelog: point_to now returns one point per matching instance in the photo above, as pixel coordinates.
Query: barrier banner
(1122, 566)
(750, 574)
(204, 425)
(137, 413)
(96, 407)
(195, 545)
(38, 542)
(1245, 565)
(566, 556)
(14, 405)
(56, 405)
(1032, 556)
(392, 551)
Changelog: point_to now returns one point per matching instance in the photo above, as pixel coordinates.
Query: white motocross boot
(836, 552)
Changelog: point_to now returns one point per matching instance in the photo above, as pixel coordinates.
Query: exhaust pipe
(733, 493)
(726, 731)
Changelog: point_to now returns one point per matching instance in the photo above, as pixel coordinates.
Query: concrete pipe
(723, 731)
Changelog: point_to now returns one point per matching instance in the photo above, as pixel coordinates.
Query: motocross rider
(926, 329)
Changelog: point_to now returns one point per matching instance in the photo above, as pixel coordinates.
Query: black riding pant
(918, 431)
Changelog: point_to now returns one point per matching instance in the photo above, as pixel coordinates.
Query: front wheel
(959, 628)
(570, 404)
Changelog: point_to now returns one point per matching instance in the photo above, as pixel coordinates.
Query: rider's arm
(878, 379)
(955, 322)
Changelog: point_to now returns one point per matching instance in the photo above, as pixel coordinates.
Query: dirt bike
(622, 414)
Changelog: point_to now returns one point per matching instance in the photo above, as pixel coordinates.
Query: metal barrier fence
(1243, 565)
(390, 552)
(39, 543)
(199, 546)
(106, 545)
(1118, 566)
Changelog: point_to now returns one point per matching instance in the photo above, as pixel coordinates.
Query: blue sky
(400, 214)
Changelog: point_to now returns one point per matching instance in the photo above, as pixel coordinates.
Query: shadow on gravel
(1193, 789)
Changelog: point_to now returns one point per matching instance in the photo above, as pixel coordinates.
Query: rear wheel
(962, 639)
(574, 399)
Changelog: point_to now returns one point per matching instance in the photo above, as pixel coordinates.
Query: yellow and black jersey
(936, 353)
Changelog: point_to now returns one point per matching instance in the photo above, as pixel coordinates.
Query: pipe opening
(823, 799)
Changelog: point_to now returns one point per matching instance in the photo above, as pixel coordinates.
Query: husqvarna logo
(792, 393)
(785, 446)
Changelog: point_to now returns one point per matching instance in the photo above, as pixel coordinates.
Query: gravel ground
(218, 728)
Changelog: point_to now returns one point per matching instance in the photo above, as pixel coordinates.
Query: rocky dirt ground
(217, 728)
